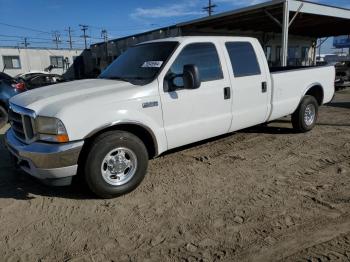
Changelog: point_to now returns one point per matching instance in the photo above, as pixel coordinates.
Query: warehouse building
(72, 63)
(287, 29)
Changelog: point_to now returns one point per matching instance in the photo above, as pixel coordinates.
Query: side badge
(150, 104)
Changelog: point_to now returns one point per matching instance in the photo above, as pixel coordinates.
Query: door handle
(263, 87)
(227, 93)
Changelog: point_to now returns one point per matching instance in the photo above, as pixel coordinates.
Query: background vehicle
(35, 79)
(47, 71)
(9, 87)
(30, 74)
(157, 96)
(40, 80)
(342, 75)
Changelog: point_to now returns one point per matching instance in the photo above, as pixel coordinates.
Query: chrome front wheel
(115, 164)
(119, 166)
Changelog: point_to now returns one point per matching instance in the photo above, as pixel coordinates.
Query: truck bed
(291, 83)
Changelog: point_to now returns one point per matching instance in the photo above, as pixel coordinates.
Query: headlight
(51, 129)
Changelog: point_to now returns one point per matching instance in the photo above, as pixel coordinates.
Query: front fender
(87, 120)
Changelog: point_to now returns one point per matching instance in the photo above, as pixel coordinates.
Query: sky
(40, 20)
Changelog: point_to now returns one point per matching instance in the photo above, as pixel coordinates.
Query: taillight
(19, 86)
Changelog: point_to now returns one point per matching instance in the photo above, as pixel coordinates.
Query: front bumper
(45, 161)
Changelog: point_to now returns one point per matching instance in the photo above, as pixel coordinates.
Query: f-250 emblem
(150, 104)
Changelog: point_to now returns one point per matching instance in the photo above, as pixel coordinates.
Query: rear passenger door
(196, 114)
(249, 84)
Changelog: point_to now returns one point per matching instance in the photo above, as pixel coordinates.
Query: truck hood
(51, 99)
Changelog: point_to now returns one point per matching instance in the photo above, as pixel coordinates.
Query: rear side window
(204, 56)
(243, 59)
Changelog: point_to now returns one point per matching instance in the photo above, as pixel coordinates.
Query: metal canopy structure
(294, 17)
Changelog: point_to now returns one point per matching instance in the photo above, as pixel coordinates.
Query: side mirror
(191, 77)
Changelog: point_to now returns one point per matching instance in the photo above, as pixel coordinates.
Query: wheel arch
(316, 90)
(142, 131)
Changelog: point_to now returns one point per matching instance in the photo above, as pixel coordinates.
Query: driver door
(192, 115)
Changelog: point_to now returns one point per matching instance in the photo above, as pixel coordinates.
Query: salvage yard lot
(261, 194)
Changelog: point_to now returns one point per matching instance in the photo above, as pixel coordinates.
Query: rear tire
(116, 164)
(3, 117)
(305, 117)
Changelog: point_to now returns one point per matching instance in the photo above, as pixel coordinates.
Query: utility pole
(84, 28)
(210, 8)
(25, 42)
(70, 31)
(104, 35)
(57, 38)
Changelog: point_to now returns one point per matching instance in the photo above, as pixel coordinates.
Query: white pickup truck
(156, 96)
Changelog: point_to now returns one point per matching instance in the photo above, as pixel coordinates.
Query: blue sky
(39, 18)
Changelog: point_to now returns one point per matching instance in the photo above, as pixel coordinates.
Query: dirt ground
(261, 194)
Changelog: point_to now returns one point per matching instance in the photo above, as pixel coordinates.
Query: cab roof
(181, 39)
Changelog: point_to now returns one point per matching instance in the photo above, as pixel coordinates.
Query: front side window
(140, 64)
(56, 61)
(243, 59)
(204, 56)
(12, 62)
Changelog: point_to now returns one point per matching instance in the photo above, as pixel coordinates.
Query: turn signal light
(62, 138)
(54, 138)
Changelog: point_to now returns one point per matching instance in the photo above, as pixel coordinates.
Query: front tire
(3, 117)
(116, 164)
(305, 117)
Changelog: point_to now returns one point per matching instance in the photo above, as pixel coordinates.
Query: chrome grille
(17, 124)
(22, 123)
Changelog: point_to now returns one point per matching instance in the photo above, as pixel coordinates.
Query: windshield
(140, 64)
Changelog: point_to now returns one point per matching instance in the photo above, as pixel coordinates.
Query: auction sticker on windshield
(152, 64)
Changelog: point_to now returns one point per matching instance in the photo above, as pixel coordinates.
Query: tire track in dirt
(325, 163)
(294, 245)
(336, 249)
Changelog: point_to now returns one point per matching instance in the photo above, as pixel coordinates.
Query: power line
(29, 37)
(24, 28)
(29, 40)
(7, 40)
(71, 35)
(32, 42)
(114, 29)
(57, 35)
